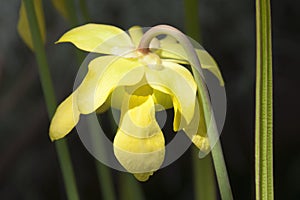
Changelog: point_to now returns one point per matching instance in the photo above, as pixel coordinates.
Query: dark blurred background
(29, 167)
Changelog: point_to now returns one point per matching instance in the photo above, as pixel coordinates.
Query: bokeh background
(29, 167)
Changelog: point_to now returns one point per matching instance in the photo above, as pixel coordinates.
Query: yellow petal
(61, 7)
(136, 34)
(23, 25)
(162, 99)
(99, 38)
(65, 118)
(172, 50)
(178, 82)
(104, 75)
(202, 143)
(207, 62)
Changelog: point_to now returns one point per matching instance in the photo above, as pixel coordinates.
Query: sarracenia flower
(135, 81)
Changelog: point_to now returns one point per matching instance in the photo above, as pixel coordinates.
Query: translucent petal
(65, 118)
(178, 82)
(138, 116)
(104, 75)
(23, 25)
(163, 99)
(99, 38)
(172, 50)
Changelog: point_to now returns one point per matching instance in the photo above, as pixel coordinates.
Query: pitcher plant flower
(135, 79)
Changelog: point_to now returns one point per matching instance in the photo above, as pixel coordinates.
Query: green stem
(212, 132)
(264, 103)
(203, 169)
(67, 169)
(47, 86)
(105, 179)
(204, 177)
(221, 172)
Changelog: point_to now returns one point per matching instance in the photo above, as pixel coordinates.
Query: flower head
(135, 81)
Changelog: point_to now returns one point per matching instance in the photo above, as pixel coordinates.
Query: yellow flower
(135, 81)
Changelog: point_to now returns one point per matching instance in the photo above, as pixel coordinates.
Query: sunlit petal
(178, 82)
(104, 75)
(99, 38)
(172, 50)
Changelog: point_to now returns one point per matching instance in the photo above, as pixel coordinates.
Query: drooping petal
(138, 151)
(104, 75)
(140, 156)
(65, 118)
(99, 38)
(178, 82)
(23, 25)
(172, 50)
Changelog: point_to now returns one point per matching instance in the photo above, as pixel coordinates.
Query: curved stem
(184, 41)
(193, 59)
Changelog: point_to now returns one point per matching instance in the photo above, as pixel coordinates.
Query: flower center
(152, 60)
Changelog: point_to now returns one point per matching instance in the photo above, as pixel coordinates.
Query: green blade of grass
(264, 103)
